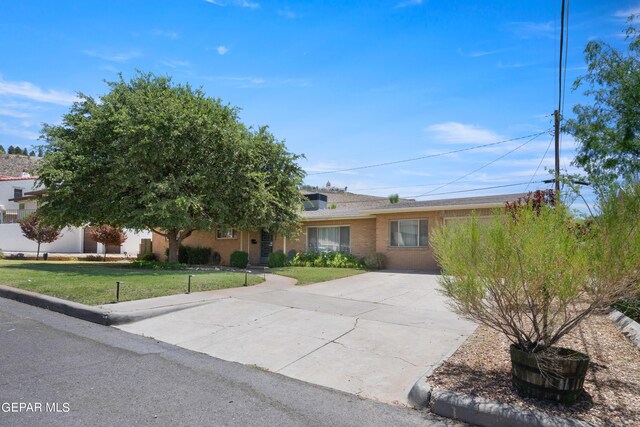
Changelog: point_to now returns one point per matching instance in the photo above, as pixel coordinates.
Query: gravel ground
(482, 367)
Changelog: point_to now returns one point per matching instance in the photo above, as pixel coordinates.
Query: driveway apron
(373, 334)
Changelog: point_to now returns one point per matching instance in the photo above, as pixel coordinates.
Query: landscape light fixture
(118, 290)
(189, 286)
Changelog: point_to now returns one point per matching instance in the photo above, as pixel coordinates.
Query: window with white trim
(322, 239)
(231, 233)
(408, 233)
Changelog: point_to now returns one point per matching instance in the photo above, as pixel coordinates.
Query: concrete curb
(420, 394)
(86, 312)
(627, 325)
(485, 412)
(59, 305)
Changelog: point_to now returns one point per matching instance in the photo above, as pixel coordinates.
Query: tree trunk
(174, 244)
(38, 252)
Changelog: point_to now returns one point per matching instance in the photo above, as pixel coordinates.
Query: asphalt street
(61, 371)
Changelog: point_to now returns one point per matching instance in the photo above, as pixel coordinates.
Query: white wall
(12, 240)
(6, 192)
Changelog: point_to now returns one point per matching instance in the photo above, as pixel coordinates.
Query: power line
(480, 168)
(446, 192)
(540, 164)
(434, 184)
(482, 188)
(430, 155)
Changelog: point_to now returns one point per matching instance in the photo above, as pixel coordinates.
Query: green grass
(94, 283)
(307, 275)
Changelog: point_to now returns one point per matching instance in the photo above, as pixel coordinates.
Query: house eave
(332, 218)
(435, 208)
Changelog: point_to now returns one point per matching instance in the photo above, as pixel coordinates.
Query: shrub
(376, 261)
(531, 276)
(149, 257)
(155, 265)
(277, 259)
(326, 259)
(92, 258)
(193, 255)
(216, 259)
(239, 259)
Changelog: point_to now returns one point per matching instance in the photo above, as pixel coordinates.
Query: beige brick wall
(225, 247)
(368, 235)
(406, 258)
(362, 233)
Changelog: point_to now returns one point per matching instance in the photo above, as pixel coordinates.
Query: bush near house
(239, 259)
(277, 259)
(327, 259)
(376, 261)
(191, 255)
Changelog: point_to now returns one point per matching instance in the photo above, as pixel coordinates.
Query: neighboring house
(359, 224)
(19, 199)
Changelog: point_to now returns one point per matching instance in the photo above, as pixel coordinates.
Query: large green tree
(152, 154)
(608, 130)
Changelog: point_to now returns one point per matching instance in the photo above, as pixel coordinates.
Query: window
(323, 239)
(226, 234)
(17, 193)
(409, 233)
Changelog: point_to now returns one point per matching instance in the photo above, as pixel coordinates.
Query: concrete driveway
(373, 334)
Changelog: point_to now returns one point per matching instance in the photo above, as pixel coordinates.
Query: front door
(266, 246)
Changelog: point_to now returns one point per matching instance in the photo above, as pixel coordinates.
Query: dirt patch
(482, 367)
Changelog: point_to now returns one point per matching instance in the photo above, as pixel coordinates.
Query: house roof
(350, 205)
(347, 205)
(14, 165)
(479, 202)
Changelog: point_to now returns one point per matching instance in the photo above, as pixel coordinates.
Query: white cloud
(33, 92)
(112, 56)
(530, 29)
(20, 133)
(173, 35)
(408, 3)
(176, 64)
(222, 50)
(287, 13)
(14, 113)
(480, 53)
(625, 13)
(256, 82)
(455, 132)
(239, 3)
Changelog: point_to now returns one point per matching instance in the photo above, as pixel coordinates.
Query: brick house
(356, 223)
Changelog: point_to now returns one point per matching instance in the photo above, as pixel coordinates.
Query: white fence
(70, 242)
(12, 240)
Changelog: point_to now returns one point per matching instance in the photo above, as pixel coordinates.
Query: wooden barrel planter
(556, 374)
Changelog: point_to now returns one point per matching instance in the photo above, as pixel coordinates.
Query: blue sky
(346, 83)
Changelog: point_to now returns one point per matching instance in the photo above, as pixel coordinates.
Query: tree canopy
(152, 154)
(33, 228)
(608, 130)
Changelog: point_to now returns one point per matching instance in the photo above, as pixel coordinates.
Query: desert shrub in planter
(277, 259)
(532, 275)
(239, 259)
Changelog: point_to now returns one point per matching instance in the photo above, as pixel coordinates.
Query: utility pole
(556, 115)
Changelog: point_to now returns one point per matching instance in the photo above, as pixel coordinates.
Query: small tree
(33, 228)
(535, 276)
(394, 198)
(108, 235)
(2, 150)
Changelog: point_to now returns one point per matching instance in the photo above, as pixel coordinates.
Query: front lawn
(94, 283)
(307, 275)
